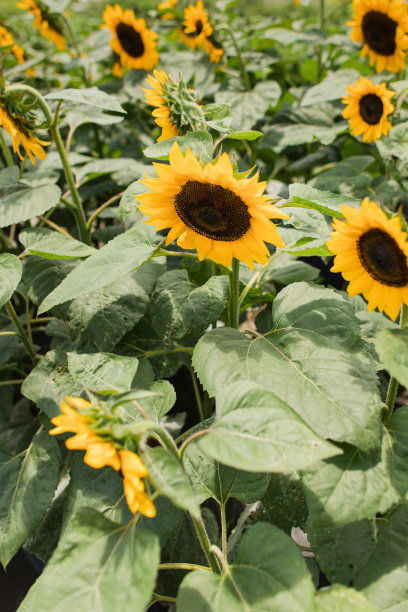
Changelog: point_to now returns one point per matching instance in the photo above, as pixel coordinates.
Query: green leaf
(310, 247)
(323, 201)
(247, 107)
(284, 500)
(92, 96)
(248, 135)
(168, 477)
(395, 145)
(86, 113)
(200, 143)
(99, 565)
(53, 245)
(392, 346)
(28, 482)
(161, 399)
(11, 270)
(256, 431)
(128, 204)
(339, 598)
(103, 372)
(285, 269)
(123, 170)
(179, 309)
(268, 573)
(397, 427)
(117, 259)
(209, 478)
(332, 87)
(21, 202)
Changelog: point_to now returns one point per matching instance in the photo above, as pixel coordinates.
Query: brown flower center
(212, 211)
(130, 40)
(371, 108)
(382, 258)
(379, 32)
(198, 29)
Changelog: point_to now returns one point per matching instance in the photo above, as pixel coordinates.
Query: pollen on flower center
(379, 32)
(212, 211)
(130, 40)
(382, 258)
(371, 108)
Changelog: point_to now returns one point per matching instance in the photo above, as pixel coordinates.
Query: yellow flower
(46, 22)
(381, 26)
(372, 254)
(21, 135)
(368, 107)
(131, 39)
(156, 97)
(215, 52)
(210, 210)
(133, 469)
(163, 6)
(7, 40)
(196, 27)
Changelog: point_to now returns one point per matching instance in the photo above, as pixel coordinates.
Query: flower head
(131, 40)
(372, 254)
(196, 26)
(368, 107)
(210, 210)
(21, 130)
(165, 5)
(48, 23)
(381, 25)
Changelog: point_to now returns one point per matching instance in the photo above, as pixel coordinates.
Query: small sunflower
(21, 131)
(210, 210)
(165, 5)
(381, 26)
(372, 254)
(131, 40)
(213, 49)
(7, 40)
(49, 24)
(368, 107)
(157, 97)
(196, 27)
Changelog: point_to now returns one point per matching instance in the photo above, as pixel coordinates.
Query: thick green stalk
(393, 384)
(206, 545)
(234, 294)
(5, 150)
(23, 336)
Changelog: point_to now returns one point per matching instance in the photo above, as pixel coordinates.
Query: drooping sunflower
(49, 24)
(368, 107)
(210, 210)
(196, 27)
(164, 6)
(382, 26)
(7, 40)
(372, 254)
(213, 49)
(131, 40)
(20, 131)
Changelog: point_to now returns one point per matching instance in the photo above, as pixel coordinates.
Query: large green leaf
(332, 87)
(92, 96)
(28, 483)
(200, 143)
(19, 203)
(339, 598)
(325, 202)
(256, 431)
(247, 107)
(103, 372)
(179, 309)
(53, 245)
(99, 565)
(268, 573)
(392, 345)
(397, 427)
(116, 259)
(11, 270)
(284, 500)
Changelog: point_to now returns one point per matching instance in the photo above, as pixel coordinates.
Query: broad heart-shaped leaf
(11, 270)
(247, 107)
(49, 382)
(339, 598)
(397, 427)
(19, 202)
(395, 144)
(168, 477)
(349, 488)
(384, 579)
(179, 309)
(209, 478)
(392, 345)
(200, 143)
(53, 245)
(98, 565)
(332, 87)
(156, 400)
(116, 259)
(256, 431)
(330, 385)
(323, 201)
(92, 96)
(28, 483)
(103, 372)
(268, 573)
(284, 501)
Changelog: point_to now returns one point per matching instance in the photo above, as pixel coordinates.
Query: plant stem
(102, 207)
(193, 436)
(197, 395)
(223, 530)
(5, 150)
(183, 566)
(58, 228)
(23, 336)
(161, 252)
(244, 74)
(394, 384)
(4, 383)
(206, 544)
(322, 23)
(234, 294)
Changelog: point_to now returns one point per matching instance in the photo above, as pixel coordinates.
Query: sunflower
(20, 132)
(381, 25)
(368, 106)
(7, 40)
(372, 254)
(157, 97)
(48, 23)
(164, 6)
(196, 27)
(210, 210)
(213, 49)
(131, 40)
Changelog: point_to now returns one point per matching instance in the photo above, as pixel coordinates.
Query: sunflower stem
(23, 336)
(8, 158)
(394, 384)
(56, 135)
(244, 74)
(234, 294)
(197, 395)
(206, 544)
(322, 24)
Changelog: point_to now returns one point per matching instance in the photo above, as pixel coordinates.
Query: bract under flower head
(382, 26)
(372, 254)
(210, 210)
(46, 22)
(368, 107)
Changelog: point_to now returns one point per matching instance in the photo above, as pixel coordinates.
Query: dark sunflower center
(198, 29)
(130, 40)
(382, 258)
(371, 108)
(212, 211)
(379, 32)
